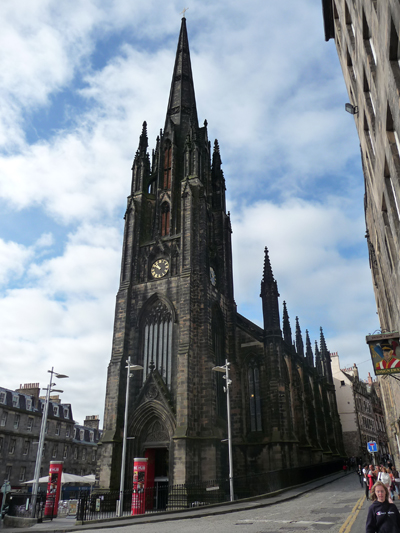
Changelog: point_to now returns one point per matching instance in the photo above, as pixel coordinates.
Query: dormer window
(91, 436)
(82, 434)
(15, 400)
(29, 404)
(56, 410)
(2, 397)
(66, 412)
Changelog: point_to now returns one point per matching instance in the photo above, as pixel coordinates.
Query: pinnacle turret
(287, 330)
(309, 352)
(318, 362)
(141, 163)
(299, 339)
(325, 358)
(270, 295)
(217, 179)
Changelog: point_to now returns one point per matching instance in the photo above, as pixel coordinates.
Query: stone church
(176, 317)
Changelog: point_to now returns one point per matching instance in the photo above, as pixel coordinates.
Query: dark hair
(379, 484)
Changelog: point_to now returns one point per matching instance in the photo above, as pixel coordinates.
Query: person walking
(360, 475)
(383, 517)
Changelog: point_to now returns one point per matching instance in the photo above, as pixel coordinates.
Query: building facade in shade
(20, 421)
(366, 35)
(176, 317)
(360, 411)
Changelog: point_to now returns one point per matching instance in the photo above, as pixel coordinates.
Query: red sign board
(53, 488)
(139, 484)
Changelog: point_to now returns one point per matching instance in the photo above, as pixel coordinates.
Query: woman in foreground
(383, 517)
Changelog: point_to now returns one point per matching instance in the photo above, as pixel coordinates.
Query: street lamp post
(42, 435)
(129, 367)
(225, 370)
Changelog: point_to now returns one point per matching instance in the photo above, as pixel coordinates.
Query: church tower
(176, 318)
(174, 311)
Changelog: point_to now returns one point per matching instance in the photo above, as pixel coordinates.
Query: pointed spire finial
(299, 339)
(267, 274)
(183, 12)
(287, 330)
(309, 352)
(143, 142)
(318, 362)
(270, 295)
(325, 357)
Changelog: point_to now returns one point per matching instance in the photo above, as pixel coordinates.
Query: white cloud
(13, 258)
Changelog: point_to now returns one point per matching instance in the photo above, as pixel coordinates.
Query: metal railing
(164, 497)
(20, 504)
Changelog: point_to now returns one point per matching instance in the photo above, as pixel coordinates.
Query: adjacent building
(366, 35)
(176, 317)
(360, 411)
(20, 420)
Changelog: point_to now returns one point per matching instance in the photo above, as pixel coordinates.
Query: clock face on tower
(159, 268)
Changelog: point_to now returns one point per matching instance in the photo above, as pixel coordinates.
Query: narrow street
(339, 506)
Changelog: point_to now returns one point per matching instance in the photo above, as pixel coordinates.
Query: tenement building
(20, 420)
(360, 411)
(366, 35)
(176, 317)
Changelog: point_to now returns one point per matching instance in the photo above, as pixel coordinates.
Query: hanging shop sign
(385, 352)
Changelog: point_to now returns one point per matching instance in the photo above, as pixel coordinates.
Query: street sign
(372, 447)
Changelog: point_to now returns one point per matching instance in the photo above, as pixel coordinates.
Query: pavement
(67, 524)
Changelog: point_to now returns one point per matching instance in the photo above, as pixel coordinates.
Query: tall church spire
(182, 103)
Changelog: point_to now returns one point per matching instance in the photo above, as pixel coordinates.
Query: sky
(77, 80)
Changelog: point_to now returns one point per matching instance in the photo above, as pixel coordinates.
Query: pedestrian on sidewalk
(383, 517)
(360, 475)
(366, 480)
(370, 478)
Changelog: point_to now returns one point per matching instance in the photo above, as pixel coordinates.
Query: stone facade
(176, 317)
(360, 410)
(366, 35)
(20, 421)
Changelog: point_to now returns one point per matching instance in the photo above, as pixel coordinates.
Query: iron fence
(164, 497)
(20, 504)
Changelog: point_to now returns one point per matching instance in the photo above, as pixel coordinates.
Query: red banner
(53, 488)
(139, 483)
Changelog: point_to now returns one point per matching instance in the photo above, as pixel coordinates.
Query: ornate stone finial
(152, 366)
(183, 12)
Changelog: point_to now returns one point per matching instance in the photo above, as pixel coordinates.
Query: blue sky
(77, 82)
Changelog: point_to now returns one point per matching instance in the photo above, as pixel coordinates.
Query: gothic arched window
(157, 341)
(253, 374)
(165, 219)
(167, 166)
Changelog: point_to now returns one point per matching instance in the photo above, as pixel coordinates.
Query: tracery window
(167, 166)
(253, 374)
(157, 341)
(165, 219)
